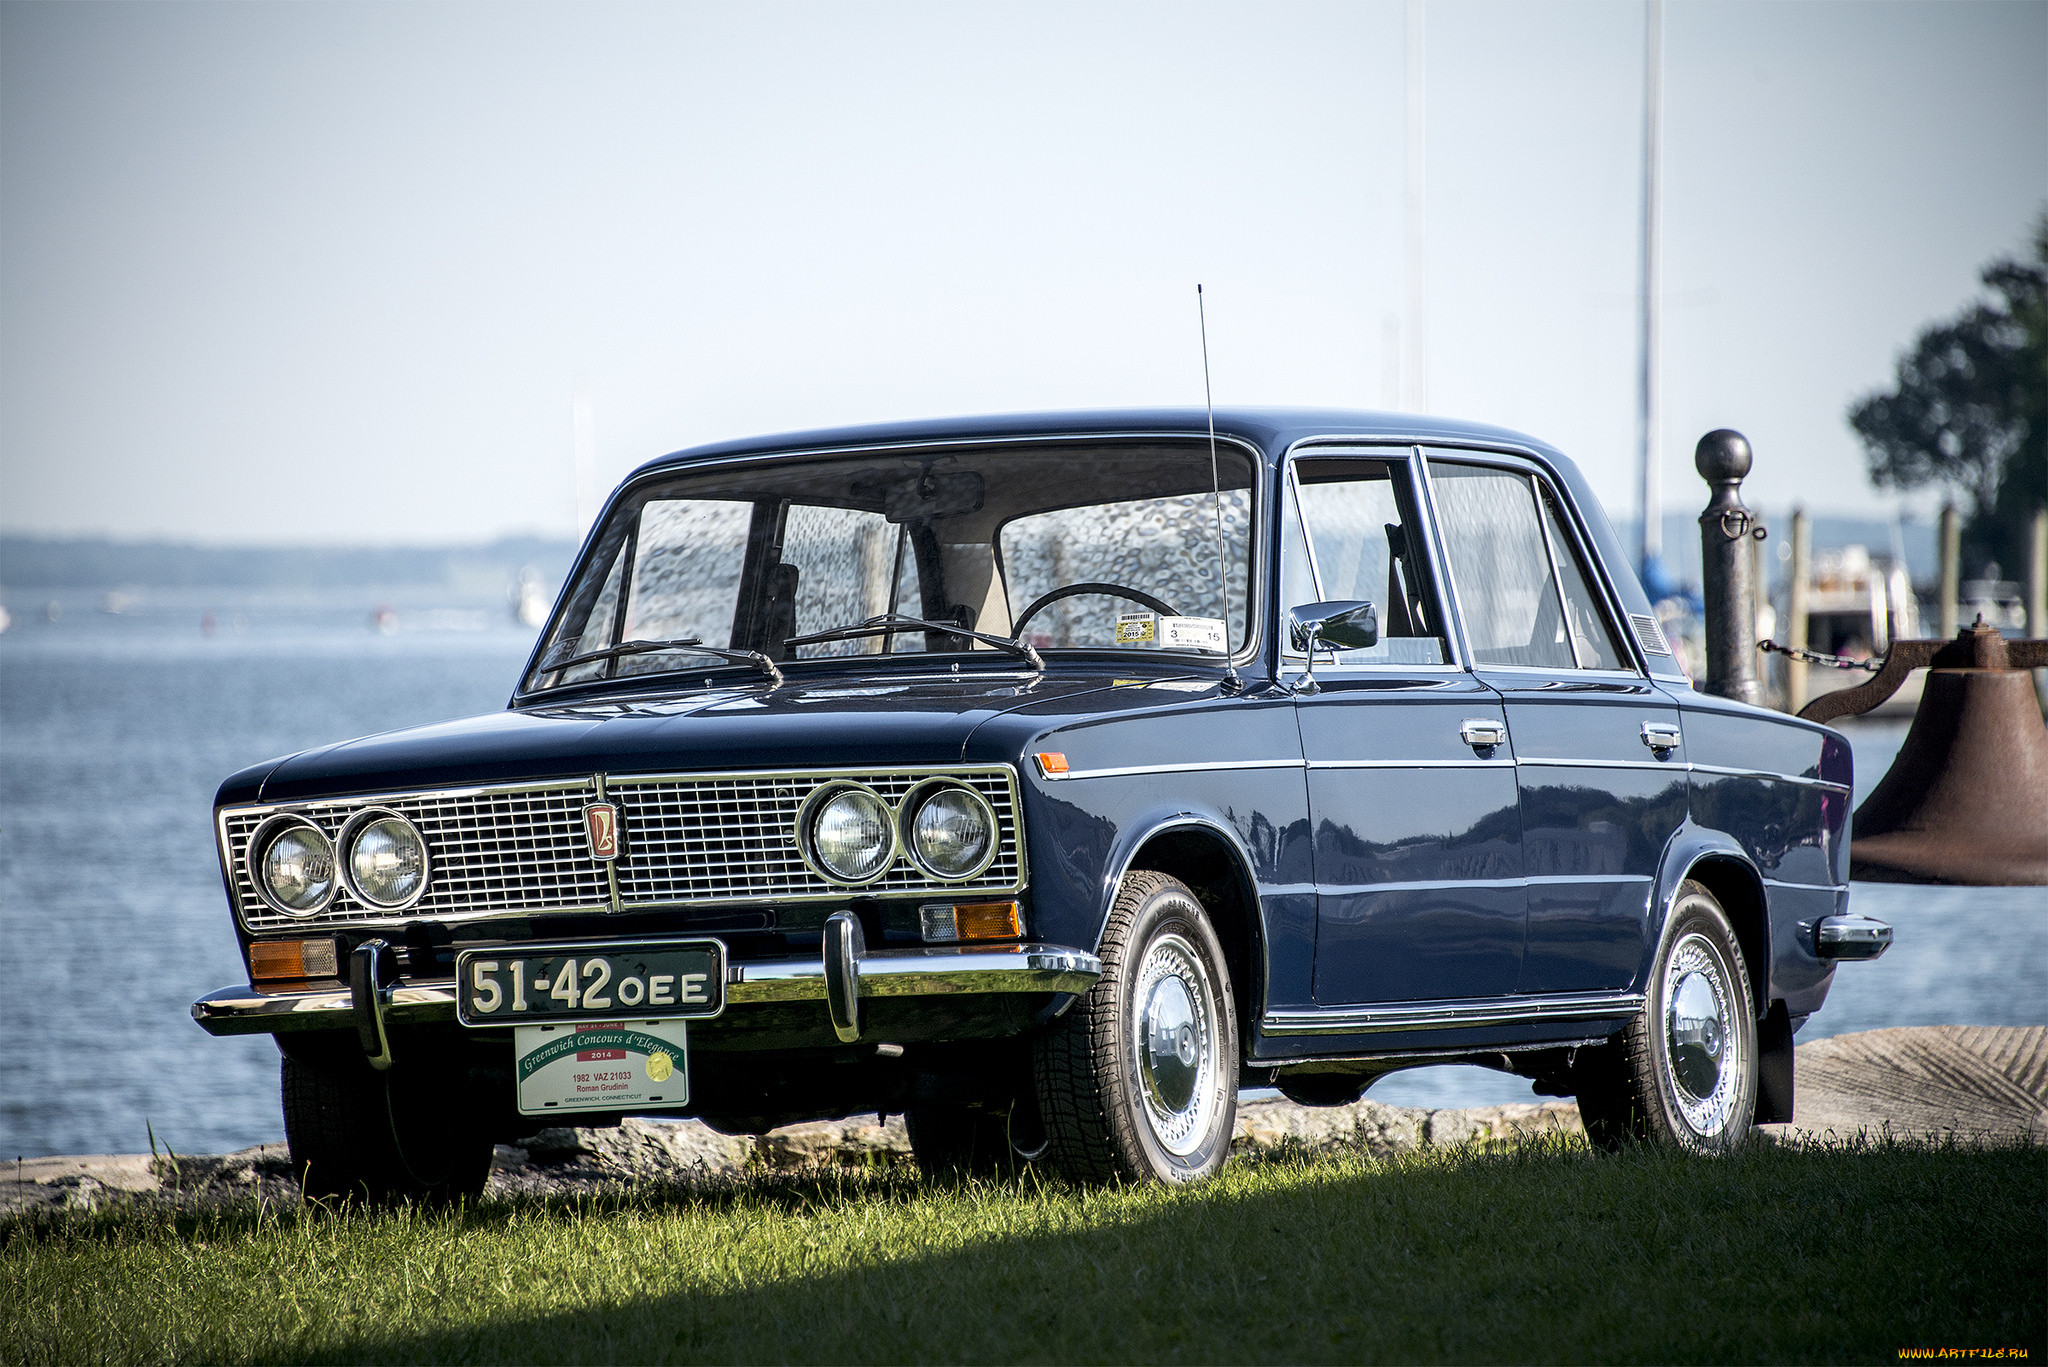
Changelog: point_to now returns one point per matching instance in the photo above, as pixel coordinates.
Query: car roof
(1271, 430)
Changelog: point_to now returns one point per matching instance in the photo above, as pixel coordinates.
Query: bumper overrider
(843, 976)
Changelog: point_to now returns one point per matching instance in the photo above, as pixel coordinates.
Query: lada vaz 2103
(1047, 780)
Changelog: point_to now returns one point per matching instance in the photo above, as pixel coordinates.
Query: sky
(339, 273)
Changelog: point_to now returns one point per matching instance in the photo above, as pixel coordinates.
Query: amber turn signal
(292, 959)
(988, 920)
(1052, 763)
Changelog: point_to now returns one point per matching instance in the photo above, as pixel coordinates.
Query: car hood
(803, 725)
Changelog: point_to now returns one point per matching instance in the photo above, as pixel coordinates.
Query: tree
(1970, 410)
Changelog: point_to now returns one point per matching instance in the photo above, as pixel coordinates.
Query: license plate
(601, 1065)
(596, 982)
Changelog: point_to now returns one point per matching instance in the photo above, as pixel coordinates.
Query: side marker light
(272, 959)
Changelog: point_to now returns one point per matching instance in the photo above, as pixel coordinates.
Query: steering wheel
(1045, 600)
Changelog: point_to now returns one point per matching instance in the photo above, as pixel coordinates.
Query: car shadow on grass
(1547, 1253)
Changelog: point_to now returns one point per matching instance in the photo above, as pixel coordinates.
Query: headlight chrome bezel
(344, 849)
(807, 833)
(260, 842)
(914, 803)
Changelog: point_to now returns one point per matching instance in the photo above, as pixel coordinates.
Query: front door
(1416, 830)
(1598, 751)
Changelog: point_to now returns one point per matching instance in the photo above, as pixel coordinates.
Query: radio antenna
(1216, 495)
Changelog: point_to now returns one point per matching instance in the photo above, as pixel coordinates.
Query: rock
(1277, 1124)
(1382, 1130)
(1969, 1084)
(180, 1179)
(856, 1142)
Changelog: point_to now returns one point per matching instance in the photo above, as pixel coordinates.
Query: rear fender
(1717, 861)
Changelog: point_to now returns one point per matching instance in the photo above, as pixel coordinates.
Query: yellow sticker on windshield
(1136, 629)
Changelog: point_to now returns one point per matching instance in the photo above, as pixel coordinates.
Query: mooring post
(1796, 594)
(1727, 567)
(1951, 570)
(2037, 593)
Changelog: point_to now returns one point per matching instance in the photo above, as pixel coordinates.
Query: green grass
(1547, 1253)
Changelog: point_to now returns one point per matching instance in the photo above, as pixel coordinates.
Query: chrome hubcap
(1175, 1044)
(1701, 1046)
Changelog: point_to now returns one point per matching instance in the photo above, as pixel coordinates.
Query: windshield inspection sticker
(1192, 633)
(601, 1066)
(1138, 628)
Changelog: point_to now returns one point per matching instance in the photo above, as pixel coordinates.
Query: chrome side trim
(1474, 763)
(1437, 884)
(1132, 770)
(1552, 762)
(932, 971)
(1360, 1020)
(1765, 774)
(1577, 879)
(1419, 885)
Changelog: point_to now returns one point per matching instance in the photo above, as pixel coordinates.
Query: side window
(1498, 536)
(1592, 633)
(1357, 541)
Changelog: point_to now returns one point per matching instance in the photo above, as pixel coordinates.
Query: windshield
(1071, 547)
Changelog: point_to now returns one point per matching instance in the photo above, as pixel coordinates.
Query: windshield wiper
(744, 657)
(896, 621)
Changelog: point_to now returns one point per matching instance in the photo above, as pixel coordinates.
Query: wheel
(1138, 1081)
(952, 1142)
(380, 1137)
(1047, 599)
(1684, 1073)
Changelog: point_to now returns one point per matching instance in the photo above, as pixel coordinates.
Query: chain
(1819, 658)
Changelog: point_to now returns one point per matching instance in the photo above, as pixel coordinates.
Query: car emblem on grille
(601, 823)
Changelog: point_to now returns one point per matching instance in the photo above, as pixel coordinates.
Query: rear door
(1599, 756)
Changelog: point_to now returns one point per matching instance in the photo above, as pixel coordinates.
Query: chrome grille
(732, 837)
(687, 838)
(488, 850)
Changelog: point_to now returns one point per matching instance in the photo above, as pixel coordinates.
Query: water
(114, 733)
(116, 729)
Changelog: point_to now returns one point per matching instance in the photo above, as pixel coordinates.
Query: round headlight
(850, 835)
(387, 859)
(953, 833)
(296, 871)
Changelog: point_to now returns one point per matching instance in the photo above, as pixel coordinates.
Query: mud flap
(1774, 1067)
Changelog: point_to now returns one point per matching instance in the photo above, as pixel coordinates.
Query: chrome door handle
(1660, 736)
(1481, 734)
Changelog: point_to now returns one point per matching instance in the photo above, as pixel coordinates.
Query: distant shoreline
(104, 563)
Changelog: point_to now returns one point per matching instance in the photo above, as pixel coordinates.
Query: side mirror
(1346, 625)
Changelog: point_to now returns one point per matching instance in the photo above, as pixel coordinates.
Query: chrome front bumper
(950, 970)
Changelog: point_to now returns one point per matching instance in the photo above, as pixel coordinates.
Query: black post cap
(1722, 455)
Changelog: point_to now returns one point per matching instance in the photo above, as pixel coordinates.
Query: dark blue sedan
(1047, 779)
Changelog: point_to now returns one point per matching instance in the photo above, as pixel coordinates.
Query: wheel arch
(1205, 855)
(1727, 873)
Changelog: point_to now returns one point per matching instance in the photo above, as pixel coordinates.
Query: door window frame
(1592, 571)
(1409, 457)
